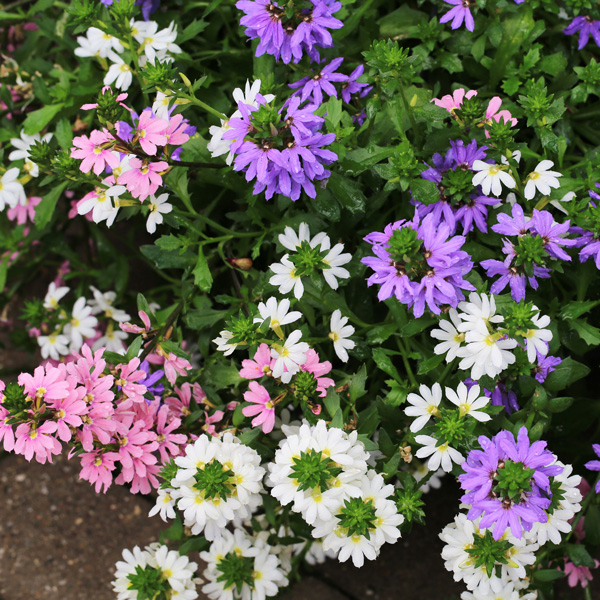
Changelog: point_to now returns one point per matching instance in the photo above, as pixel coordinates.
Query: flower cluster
(537, 241)
(283, 150)
(485, 340)
(419, 263)
(290, 31)
(323, 474)
(114, 417)
(155, 570)
(155, 46)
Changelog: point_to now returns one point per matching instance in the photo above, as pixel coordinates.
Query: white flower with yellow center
(278, 313)
(542, 179)
(450, 337)
(440, 455)
(119, 73)
(537, 339)
(97, 43)
(54, 345)
(285, 277)
(424, 406)
(469, 401)
(165, 505)
(491, 177)
(157, 207)
(339, 334)
(54, 296)
(289, 357)
(81, 325)
(12, 192)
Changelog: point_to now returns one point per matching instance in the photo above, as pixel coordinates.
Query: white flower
(118, 73)
(23, 145)
(491, 177)
(100, 202)
(378, 513)
(160, 106)
(223, 344)
(153, 40)
(277, 312)
(97, 43)
(451, 338)
(81, 325)
(54, 295)
(285, 277)
(259, 559)
(558, 204)
(434, 482)
(469, 401)
(443, 454)
(54, 345)
(289, 357)
(542, 179)
(176, 568)
(537, 339)
(339, 334)
(208, 508)
(11, 191)
(333, 269)
(291, 240)
(156, 209)
(112, 340)
(165, 505)
(329, 449)
(423, 406)
(103, 303)
(132, 560)
(217, 145)
(480, 307)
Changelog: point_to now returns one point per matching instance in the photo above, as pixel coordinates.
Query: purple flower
(360, 117)
(545, 366)
(508, 482)
(586, 27)
(152, 379)
(594, 465)
(458, 14)
(288, 38)
(551, 233)
(419, 263)
(474, 212)
(352, 86)
(148, 7)
(508, 276)
(504, 397)
(323, 81)
(285, 158)
(515, 225)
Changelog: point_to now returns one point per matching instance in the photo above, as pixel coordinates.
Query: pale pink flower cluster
(107, 415)
(128, 159)
(452, 102)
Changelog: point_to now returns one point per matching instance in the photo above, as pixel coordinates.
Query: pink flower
(454, 101)
(97, 468)
(150, 130)
(94, 152)
(216, 417)
(128, 375)
(68, 414)
(263, 407)
(578, 575)
(45, 384)
(260, 366)
(106, 88)
(131, 328)
(98, 424)
(168, 442)
(492, 114)
(143, 178)
(38, 441)
(175, 365)
(312, 365)
(175, 132)
(21, 212)
(7, 435)
(180, 406)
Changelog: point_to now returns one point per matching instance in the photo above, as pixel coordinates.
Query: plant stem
(409, 372)
(206, 107)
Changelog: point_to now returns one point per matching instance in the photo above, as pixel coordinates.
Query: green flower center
(512, 480)
(314, 471)
(215, 480)
(456, 186)
(235, 571)
(307, 259)
(487, 552)
(150, 583)
(357, 517)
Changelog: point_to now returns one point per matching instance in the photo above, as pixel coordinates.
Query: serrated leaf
(45, 210)
(38, 119)
(424, 191)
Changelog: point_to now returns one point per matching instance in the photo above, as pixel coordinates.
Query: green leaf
(169, 242)
(431, 363)
(378, 334)
(588, 333)
(397, 394)
(64, 134)
(38, 119)
(384, 362)
(3, 272)
(167, 259)
(547, 575)
(416, 326)
(424, 191)
(332, 110)
(45, 210)
(332, 401)
(249, 436)
(566, 373)
(579, 555)
(347, 193)
(553, 64)
(560, 404)
(360, 160)
(356, 387)
(192, 30)
(574, 310)
(592, 525)
(338, 419)
(202, 275)
(398, 23)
